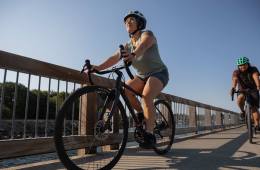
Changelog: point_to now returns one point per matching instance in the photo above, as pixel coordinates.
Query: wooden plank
(22, 147)
(177, 99)
(180, 131)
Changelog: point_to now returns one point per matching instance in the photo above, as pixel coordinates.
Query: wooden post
(207, 118)
(225, 119)
(218, 118)
(88, 117)
(236, 119)
(116, 127)
(192, 116)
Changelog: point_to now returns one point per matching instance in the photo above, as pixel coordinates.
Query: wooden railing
(190, 116)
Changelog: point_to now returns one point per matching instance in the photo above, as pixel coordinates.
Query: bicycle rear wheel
(164, 130)
(249, 123)
(100, 143)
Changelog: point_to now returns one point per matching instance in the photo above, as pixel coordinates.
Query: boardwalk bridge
(207, 137)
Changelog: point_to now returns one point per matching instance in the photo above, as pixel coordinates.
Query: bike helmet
(139, 18)
(242, 60)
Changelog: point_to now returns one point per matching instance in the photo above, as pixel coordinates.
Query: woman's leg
(137, 84)
(241, 104)
(151, 89)
(255, 114)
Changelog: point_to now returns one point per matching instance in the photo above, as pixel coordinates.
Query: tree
(55, 100)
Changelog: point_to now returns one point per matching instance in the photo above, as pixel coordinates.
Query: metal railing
(29, 130)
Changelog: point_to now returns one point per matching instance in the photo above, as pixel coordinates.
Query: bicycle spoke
(164, 127)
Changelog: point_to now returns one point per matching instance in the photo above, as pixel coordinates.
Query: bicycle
(248, 112)
(105, 140)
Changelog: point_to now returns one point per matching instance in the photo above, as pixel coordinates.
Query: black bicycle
(106, 134)
(248, 112)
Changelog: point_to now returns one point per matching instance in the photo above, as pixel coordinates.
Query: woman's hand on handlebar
(232, 91)
(93, 69)
(128, 57)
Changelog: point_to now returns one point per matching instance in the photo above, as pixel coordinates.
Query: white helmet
(139, 18)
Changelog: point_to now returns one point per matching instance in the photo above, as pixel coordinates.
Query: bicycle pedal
(157, 132)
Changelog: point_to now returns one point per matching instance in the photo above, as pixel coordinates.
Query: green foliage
(34, 97)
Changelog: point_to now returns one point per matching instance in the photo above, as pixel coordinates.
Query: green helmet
(242, 60)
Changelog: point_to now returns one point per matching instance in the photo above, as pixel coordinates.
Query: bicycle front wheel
(164, 130)
(101, 136)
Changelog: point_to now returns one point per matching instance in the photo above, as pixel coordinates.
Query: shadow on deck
(228, 149)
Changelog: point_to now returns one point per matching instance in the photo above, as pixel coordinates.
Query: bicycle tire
(165, 116)
(249, 123)
(59, 138)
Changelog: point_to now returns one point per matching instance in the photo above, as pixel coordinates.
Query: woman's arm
(109, 62)
(147, 40)
(256, 79)
(234, 80)
(234, 83)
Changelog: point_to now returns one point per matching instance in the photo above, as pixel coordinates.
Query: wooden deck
(227, 149)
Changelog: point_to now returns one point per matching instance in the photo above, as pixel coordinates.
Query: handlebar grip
(121, 47)
(233, 91)
(88, 65)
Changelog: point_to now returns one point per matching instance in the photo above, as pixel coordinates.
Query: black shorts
(162, 75)
(254, 98)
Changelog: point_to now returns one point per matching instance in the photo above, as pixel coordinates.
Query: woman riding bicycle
(152, 74)
(247, 77)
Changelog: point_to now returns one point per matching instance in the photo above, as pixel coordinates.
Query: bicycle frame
(248, 111)
(117, 91)
(248, 105)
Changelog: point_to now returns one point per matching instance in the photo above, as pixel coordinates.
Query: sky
(199, 41)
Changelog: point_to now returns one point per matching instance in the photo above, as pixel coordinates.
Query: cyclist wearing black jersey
(247, 77)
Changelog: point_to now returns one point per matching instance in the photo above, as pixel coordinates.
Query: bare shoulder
(148, 33)
(235, 73)
(148, 36)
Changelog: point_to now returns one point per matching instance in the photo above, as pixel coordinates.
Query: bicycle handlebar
(245, 91)
(88, 66)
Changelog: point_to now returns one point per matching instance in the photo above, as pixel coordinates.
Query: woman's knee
(147, 99)
(255, 109)
(240, 99)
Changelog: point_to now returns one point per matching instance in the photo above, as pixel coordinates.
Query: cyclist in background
(247, 77)
(152, 74)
